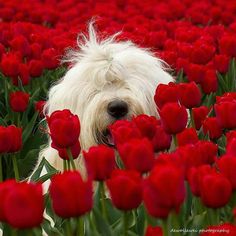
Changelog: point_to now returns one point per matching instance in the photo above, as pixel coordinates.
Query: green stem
(103, 197)
(217, 214)
(221, 149)
(37, 232)
(165, 227)
(212, 216)
(18, 120)
(92, 223)
(15, 167)
(29, 233)
(1, 174)
(125, 222)
(68, 164)
(71, 158)
(175, 223)
(191, 118)
(64, 165)
(68, 228)
(175, 140)
(14, 232)
(80, 227)
(198, 206)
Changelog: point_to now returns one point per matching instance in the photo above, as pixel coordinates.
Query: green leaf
(90, 227)
(101, 224)
(140, 223)
(46, 177)
(6, 94)
(50, 230)
(27, 163)
(56, 219)
(113, 213)
(2, 109)
(29, 128)
(49, 168)
(223, 85)
(2, 122)
(50, 172)
(97, 195)
(131, 233)
(38, 171)
(197, 222)
(7, 230)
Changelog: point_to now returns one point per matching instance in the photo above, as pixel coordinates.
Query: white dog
(108, 80)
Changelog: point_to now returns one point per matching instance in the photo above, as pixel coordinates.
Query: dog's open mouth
(107, 138)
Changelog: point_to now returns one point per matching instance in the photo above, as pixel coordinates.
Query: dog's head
(107, 81)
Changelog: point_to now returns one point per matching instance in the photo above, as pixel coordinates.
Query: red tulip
(226, 114)
(195, 73)
(165, 94)
(36, 50)
(212, 127)
(137, 154)
(215, 190)
(226, 97)
(202, 53)
(230, 136)
(49, 58)
(5, 187)
(16, 138)
(209, 83)
(162, 143)
(163, 180)
(100, 162)
(187, 90)
(193, 155)
(10, 65)
(154, 231)
(123, 130)
(221, 63)
(35, 68)
(208, 151)
(227, 45)
(19, 101)
(231, 147)
(39, 106)
(23, 75)
(231, 143)
(146, 125)
(187, 136)
(125, 187)
(194, 177)
(71, 195)
(21, 44)
(23, 205)
(227, 166)
(199, 115)
(5, 140)
(64, 128)
(174, 117)
(10, 139)
(63, 152)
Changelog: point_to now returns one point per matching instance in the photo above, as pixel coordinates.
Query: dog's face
(107, 82)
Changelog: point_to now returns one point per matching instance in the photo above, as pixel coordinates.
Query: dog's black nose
(117, 109)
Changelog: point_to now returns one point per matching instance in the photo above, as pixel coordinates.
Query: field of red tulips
(175, 175)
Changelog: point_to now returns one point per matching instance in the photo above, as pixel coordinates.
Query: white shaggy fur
(102, 71)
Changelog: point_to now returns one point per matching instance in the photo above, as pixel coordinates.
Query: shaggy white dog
(108, 80)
